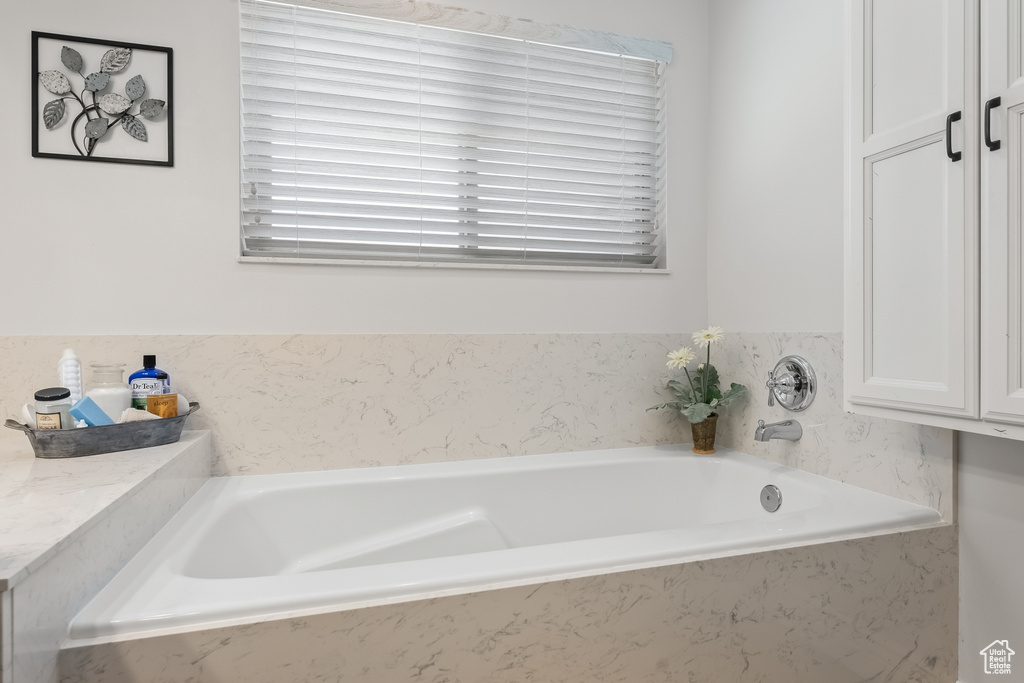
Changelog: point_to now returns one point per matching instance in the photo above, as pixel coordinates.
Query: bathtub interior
(252, 547)
(239, 547)
(296, 523)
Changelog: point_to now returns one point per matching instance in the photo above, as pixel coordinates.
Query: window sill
(456, 266)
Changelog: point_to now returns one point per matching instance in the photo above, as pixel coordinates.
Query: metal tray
(74, 443)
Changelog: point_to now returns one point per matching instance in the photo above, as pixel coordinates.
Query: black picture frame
(153, 63)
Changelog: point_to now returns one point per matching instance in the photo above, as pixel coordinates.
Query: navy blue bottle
(145, 382)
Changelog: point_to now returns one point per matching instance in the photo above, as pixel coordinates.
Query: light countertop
(46, 503)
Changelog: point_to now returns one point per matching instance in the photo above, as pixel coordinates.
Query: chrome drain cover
(771, 497)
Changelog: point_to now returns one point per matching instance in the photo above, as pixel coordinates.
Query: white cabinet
(1002, 77)
(934, 297)
(913, 226)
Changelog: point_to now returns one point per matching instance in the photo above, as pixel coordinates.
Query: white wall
(106, 238)
(991, 505)
(775, 165)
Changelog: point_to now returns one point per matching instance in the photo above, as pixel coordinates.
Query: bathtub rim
(69, 642)
(499, 464)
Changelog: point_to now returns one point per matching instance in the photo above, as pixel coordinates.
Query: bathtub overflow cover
(771, 497)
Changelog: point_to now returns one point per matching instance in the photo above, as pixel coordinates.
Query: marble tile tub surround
(48, 598)
(871, 609)
(898, 459)
(74, 524)
(47, 505)
(278, 403)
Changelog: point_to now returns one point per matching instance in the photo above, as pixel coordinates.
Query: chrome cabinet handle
(953, 156)
(992, 145)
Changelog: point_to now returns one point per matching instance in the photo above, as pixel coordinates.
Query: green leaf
(681, 390)
(712, 375)
(71, 58)
(734, 392)
(698, 412)
(674, 405)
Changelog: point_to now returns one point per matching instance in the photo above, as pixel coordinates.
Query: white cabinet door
(911, 316)
(1002, 183)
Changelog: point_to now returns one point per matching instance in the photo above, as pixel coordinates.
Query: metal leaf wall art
(99, 112)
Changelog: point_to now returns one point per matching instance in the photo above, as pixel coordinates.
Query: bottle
(161, 401)
(162, 405)
(52, 406)
(109, 390)
(148, 380)
(69, 374)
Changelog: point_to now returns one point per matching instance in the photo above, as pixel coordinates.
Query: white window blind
(375, 140)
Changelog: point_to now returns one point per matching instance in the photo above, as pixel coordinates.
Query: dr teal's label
(143, 387)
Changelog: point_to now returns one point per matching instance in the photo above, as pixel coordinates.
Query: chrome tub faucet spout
(790, 430)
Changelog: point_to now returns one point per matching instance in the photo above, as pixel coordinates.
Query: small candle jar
(52, 406)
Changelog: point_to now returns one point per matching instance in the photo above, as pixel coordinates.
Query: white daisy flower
(712, 334)
(680, 358)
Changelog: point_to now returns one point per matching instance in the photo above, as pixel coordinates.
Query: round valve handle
(792, 382)
(786, 381)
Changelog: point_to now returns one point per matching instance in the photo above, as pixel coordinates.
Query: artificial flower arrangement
(699, 396)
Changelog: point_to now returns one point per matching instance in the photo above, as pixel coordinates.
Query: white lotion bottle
(109, 390)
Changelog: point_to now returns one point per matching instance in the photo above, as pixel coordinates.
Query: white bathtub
(253, 547)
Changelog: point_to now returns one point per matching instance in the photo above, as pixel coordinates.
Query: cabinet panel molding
(906, 73)
(906, 265)
(911, 279)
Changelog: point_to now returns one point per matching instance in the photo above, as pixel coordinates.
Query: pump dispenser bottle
(146, 381)
(69, 371)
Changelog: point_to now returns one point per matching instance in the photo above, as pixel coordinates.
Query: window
(367, 139)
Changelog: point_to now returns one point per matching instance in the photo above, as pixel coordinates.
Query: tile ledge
(67, 497)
